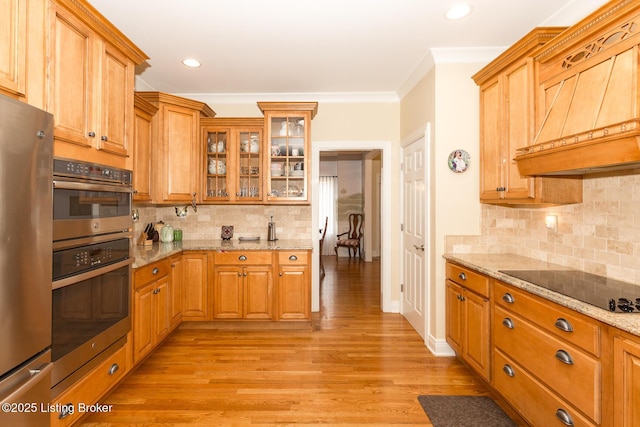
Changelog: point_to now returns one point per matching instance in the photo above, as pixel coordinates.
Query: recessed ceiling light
(458, 11)
(192, 63)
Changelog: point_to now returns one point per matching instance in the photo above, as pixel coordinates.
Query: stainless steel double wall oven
(91, 267)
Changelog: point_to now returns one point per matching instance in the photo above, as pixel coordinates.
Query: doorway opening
(366, 151)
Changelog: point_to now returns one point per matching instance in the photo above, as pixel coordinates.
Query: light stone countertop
(490, 264)
(147, 254)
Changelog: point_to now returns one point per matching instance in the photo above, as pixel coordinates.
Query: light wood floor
(357, 367)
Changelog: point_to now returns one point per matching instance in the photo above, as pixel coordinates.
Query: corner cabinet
(175, 131)
(142, 142)
(232, 164)
(507, 123)
(91, 87)
(288, 142)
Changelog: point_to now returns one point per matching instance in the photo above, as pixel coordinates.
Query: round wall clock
(459, 161)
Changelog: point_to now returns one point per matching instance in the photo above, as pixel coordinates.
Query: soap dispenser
(271, 234)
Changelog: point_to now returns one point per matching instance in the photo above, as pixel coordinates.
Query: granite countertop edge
(144, 255)
(490, 264)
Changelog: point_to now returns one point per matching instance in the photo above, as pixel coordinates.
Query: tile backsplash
(292, 222)
(601, 235)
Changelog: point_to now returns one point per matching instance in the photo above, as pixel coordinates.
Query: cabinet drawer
(573, 374)
(151, 272)
(91, 387)
(243, 257)
(293, 257)
(469, 279)
(535, 402)
(560, 321)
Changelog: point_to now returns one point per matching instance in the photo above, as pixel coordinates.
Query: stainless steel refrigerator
(26, 150)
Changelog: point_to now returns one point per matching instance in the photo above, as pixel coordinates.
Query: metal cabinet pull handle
(113, 369)
(155, 270)
(508, 298)
(509, 370)
(104, 138)
(564, 357)
(239, 274)
(293, 258)
(508, 323)
(92, 134)
(462, 298)
(242, 258)
(462, 276)
(66, 410)
(281, 274)
(563, 325)
(564, 417)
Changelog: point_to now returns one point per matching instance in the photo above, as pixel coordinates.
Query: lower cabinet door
(227, 292)
(293, 293)
(258, 294)
(626, 382)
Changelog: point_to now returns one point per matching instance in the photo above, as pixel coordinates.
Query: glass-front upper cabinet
(233, 160)
(288, 136)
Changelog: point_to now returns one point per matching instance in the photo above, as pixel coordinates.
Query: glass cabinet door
(249, 161)
(216, 163)
(288, 160)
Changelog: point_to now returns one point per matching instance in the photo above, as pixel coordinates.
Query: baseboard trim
(439, 347)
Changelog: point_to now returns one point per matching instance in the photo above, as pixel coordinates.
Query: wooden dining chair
(324, 233)
(352, 239)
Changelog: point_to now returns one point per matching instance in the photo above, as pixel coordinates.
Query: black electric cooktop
(608, 294)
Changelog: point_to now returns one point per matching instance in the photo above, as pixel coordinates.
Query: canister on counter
(177, 235)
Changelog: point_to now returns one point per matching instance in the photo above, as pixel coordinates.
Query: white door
(413, 258)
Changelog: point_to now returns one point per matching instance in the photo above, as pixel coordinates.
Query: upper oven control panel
(91, 171)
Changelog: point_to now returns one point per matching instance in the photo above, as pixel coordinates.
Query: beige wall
(447, 98)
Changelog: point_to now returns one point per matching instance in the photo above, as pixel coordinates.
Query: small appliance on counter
(271, 232)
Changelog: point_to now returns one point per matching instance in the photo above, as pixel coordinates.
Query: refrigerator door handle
(36, 374)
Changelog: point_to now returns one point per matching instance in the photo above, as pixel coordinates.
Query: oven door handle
(73, 185)
(91, 274)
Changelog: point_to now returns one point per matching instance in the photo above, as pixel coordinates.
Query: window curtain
(328, 201)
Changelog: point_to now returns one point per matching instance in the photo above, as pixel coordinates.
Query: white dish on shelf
(296, 173)
(276, 172)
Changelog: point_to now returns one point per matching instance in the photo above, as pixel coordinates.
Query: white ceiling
(314, 46)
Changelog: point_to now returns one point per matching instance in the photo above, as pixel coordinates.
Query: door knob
(421, 247)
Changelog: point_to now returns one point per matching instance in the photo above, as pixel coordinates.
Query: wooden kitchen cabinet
(243, 285)
(232, 160)
(151, 301)
(507, 123)
(293, 290)
(175, 291)
(626, 380)
(558, 349)
(91, 87)
(468, 314)
(288, 142)
(195, 290)
(176, 155)
(141, 161)
(90, 389)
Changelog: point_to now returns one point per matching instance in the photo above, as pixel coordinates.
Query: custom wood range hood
(588, 96)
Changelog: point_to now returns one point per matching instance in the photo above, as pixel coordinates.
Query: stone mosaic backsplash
(601, 235)
(292, 222)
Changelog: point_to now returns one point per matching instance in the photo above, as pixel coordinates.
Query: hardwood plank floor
(358, 366)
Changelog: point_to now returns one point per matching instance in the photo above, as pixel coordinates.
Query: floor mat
(464, 411)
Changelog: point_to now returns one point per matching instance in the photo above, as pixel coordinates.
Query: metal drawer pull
(564, 417)
(156, 270)
(242, 258)
(462, 276)
(564, 357)
(66, 410)
(293, 258)
(508, 323)
(508, 298)
(113, 369)
(509, 370)
(563, 325)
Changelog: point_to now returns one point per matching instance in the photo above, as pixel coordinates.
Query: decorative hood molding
(588, 96)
